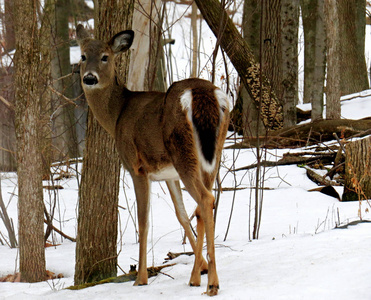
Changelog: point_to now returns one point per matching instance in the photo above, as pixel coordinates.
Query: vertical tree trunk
(352, 26)
(358, 170)
(245, 114)
(96, 245)
(143, 60)
(64, 132)
(9, 25)
(333, 108)
(27, 97)
(289, 75)
(272, 45)
(314, 54)
(194, 71)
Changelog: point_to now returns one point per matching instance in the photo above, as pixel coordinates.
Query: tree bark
(358, 170)
(333, 107)
(194, 69)
(27, 97)
(289, 65)
(245, 114)
(64, 130)
(9, 25)
(145, 56)
(352, 26)
(96, 243)
(242, 57)
(314, 54)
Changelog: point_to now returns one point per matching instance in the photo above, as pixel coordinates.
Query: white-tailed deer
(161, 136)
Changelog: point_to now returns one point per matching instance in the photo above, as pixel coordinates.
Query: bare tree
(147, 22)
(64, 133)
(333, 108)
(96, 245)
(314, 54)
(9, 25)
(289, 65)
(27, 96)
(352, 26)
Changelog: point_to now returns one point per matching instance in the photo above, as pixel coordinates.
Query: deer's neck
(106, 105)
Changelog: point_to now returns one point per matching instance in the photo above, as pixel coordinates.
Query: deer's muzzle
(90, 79)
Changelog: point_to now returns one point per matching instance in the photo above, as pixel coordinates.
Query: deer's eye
(105, 58)
(83, 57)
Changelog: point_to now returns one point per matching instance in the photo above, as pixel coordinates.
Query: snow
(299, 254)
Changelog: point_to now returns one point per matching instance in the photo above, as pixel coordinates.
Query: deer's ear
(81, 33)
(122, 41)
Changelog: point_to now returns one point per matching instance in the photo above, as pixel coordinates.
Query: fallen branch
(318, 179)
(7, 103)
(131, 276)
(60, 232)
(293, 159)
(173, 255)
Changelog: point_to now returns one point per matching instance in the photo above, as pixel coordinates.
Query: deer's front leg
(142, 190)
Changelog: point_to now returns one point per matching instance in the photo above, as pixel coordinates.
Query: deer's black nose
(90, 79)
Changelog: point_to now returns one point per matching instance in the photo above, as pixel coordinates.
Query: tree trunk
(96, 244)
(194, 69)
(245, 114)
(64, 132)
(143, 60)
(27, 98)
(358, 170)
(289, 65)
(314, 54)
(333, 108)
(352, 21)
(242, 57)
(9, 25)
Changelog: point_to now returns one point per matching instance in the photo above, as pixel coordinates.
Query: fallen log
(309, 134)
(294, 159)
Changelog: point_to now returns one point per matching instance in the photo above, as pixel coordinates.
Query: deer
(172, 136)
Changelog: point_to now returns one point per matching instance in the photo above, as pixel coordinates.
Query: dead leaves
(16, 277)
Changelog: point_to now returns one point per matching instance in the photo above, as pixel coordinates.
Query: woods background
(43, 111)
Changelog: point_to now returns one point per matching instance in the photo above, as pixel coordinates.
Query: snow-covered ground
(299, 254)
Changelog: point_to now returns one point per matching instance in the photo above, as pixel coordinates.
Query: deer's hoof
(139, 282)
(212, 290)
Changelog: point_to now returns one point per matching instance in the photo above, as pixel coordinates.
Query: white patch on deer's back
(186, 101)
(223, 100)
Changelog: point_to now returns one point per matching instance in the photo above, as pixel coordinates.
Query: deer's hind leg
(191, 177)
(200, 266)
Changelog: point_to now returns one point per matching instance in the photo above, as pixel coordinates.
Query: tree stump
(358, 170)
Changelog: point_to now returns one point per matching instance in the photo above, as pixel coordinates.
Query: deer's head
(98, 57)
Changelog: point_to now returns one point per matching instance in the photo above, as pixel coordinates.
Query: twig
(60, 232)
(6, 102)
(70, 101)
(340, 143)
